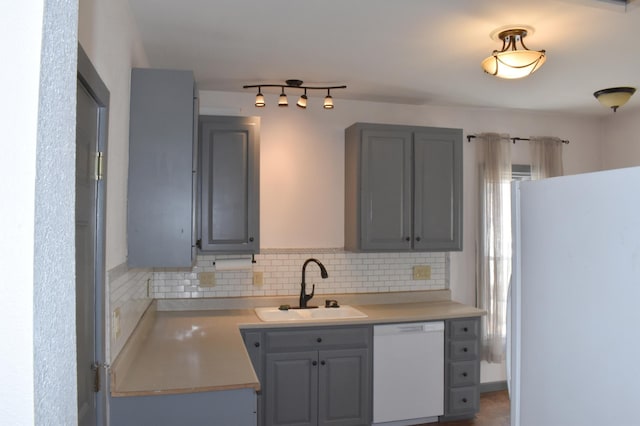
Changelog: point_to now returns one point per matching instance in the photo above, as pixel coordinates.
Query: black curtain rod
(469, 137)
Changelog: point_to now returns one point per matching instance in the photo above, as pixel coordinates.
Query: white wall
(109, 36)
(302, 163)
(18, 130)
(621, 139)
(37, 181)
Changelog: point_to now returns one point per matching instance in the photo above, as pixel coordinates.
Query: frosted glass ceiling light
(509, 62)
(294, 84)
(614, 97)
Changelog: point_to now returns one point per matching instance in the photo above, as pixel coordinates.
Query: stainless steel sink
(271, 314)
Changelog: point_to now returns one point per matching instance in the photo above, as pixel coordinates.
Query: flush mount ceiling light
(294, 84)
(614, 97)
(511, 62)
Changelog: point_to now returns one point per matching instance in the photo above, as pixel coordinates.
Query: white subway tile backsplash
(348, 273)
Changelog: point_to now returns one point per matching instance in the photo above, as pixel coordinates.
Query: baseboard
(493, 386)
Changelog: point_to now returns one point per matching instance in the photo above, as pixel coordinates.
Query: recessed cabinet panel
(386, 190)
(438, 165)
(291, 389)
(229, 220)
(344, 387)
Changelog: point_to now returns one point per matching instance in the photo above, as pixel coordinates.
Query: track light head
(302, 102)
(260, 99)
(282, 100)
(328, 100)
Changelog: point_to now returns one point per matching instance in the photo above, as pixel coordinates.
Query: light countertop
(185, 351)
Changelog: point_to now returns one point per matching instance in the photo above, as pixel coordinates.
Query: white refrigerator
(574, 339)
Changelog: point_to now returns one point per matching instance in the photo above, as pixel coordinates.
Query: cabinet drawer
(463, 350)
(464, 329)
(463, 373)
(317, 338)
(463, 400)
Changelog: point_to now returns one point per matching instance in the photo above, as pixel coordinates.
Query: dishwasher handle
(408, 328)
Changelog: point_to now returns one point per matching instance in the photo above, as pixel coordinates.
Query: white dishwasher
(408, 373)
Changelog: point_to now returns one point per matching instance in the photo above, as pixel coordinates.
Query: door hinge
(99, 165)
(96, 367)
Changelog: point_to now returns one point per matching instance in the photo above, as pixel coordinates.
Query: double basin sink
(271, 314)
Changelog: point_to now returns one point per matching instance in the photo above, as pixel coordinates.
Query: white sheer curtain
(546, 156)
(493, 263)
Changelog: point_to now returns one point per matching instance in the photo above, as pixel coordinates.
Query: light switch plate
(422, 272)
(258, 278)
(207, 279)
(115, 323)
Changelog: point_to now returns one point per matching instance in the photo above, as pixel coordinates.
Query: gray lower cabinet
(232, 407)
(317, 376)
(403, 188)
(229, 184)
(462, 368)
(162, 169)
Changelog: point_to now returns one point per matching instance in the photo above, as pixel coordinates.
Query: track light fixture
(294, 84)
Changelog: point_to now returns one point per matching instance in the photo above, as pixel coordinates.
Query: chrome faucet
(304, 297)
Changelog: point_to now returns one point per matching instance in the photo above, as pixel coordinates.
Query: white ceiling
(403, 51)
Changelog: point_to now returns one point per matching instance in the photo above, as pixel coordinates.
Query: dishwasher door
(408, 373)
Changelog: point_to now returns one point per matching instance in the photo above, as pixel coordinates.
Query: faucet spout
(304, 297)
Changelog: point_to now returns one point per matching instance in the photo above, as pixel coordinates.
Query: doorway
(91, 143)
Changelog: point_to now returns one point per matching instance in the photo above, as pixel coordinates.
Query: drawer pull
(322, 363)
(464, 374)
(319, 340)
(465, 329)
(256, 344)
(408, 238)
(465, 349)
(464, 400)
(314, 363)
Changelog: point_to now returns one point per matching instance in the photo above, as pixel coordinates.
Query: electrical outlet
(258, 278)
(115, 323)
(422, 272)
(207, 279)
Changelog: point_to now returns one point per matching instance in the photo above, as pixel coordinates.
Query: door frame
(91, 81)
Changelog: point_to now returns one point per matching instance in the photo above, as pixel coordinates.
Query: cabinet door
(161, 167)
(385, 212)
(437, 223)
(291, 395)
(229, 218)
(344, 388)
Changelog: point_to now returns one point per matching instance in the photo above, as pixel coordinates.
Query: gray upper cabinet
(403, 188)
(162, 165)
(229, 184)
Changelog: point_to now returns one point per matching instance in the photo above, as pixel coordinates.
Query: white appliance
(408, 373)
(575, 298)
